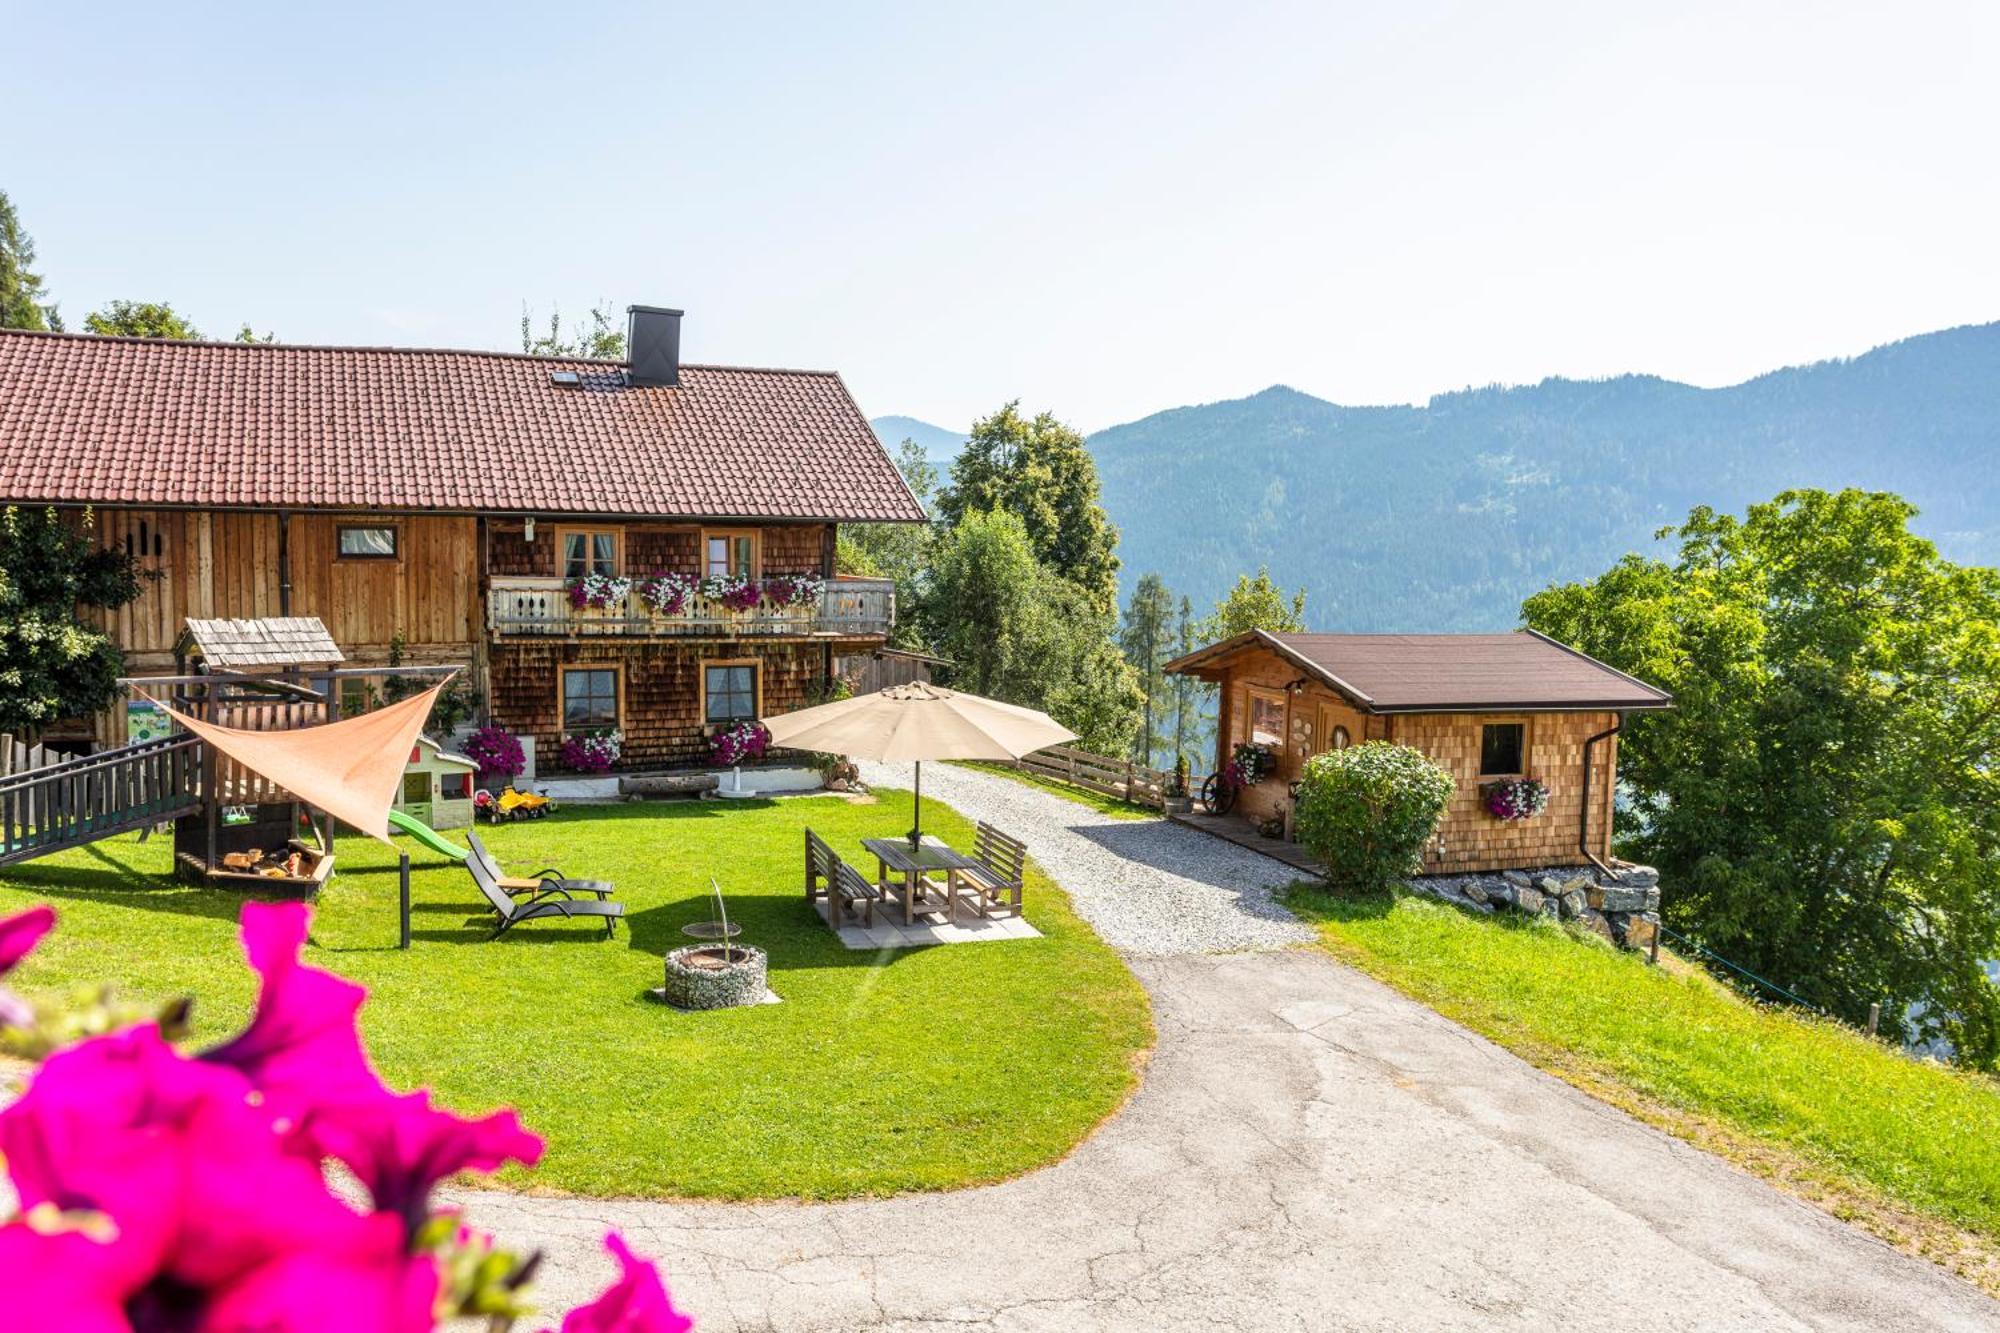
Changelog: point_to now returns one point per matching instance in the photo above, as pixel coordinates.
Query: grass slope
(1905, 1147)
(918, 1069)
(1116, 807)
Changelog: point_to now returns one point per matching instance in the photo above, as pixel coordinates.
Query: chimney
(652, 346)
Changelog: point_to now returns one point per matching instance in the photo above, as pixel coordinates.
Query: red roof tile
(143, 421)
(1419, 673)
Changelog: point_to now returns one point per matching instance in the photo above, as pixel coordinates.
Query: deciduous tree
(899, 551)
(1255, 604)
(53, 665)
(1040, 470)
(1019, 632)
(1823, 800)
(595, 338)
(142, 319)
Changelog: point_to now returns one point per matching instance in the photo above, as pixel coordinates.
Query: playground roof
(252, 645)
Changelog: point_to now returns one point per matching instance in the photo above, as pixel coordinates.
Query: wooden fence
(1094, 772)
(75, 801)
(17, 756)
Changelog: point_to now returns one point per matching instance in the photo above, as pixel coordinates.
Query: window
(728, 691)
(727, 553)
(1267, 717)
(455, 786)
(367, 543)
(416, 788)
(1503, 749)
(588, 551)
(589, 698)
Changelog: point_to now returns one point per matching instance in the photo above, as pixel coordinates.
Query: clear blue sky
(1101, 210)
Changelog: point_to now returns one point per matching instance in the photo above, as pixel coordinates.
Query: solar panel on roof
(565, 379)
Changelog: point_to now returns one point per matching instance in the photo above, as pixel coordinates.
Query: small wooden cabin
(1482, 706)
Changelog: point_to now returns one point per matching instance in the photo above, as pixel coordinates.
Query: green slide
(427, 835)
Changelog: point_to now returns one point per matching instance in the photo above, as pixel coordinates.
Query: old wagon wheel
(1218, 794)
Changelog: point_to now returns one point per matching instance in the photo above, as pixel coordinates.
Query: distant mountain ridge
(1445, 516)
(939, 444)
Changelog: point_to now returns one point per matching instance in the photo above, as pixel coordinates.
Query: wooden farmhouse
(643, 547)
(1484, 707)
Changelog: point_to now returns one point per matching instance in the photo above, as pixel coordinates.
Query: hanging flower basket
(792, 592)
(593, 753)
(669, 594)
(1515, 798)
(1253, 763)
(742, 743)
(598, 592)
(738, 594)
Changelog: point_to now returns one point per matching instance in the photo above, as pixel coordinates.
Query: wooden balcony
(850, 608)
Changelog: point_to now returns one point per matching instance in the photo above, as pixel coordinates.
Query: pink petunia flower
(636, 1303)
(302, 1050)
(407, 1146)
(20, 933)
(196, 1190)
(364, 1280)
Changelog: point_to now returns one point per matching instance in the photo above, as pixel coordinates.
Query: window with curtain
(359, 543)
(727, 553)
(590, 698)
(731, 691)
(589, 551)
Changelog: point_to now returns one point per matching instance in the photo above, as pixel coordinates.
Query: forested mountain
(1443, 517)
(939, 444)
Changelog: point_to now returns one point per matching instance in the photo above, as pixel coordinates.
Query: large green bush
(1367, 811)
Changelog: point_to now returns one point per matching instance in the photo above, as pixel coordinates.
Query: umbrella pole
(917, 830)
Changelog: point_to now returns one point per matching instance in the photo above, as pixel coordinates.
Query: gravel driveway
(1146, 886)
(1310, 1150)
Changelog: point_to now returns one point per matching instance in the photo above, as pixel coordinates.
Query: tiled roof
(241, 645)
(1416, 673)
(145, 421)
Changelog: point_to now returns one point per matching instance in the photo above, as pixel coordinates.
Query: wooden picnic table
(894, 856)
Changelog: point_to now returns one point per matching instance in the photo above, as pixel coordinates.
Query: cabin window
(589, 698)
(358, 543)
(1503, 750)
(729, 691)
(416, 788)
(455, 786)
(1267, 717)
(727, 554)
(588, 551)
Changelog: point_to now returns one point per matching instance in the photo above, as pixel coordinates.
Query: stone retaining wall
(1623, 906)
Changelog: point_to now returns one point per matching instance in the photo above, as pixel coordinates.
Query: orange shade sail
(350, 769)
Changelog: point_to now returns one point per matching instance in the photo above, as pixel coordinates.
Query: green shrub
(1367, 811)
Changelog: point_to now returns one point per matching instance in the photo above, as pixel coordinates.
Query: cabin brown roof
(1429, 673)
(145, 421)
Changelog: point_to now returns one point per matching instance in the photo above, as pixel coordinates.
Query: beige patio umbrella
(918, 722)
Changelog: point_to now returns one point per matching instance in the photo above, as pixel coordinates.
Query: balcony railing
(540, 607)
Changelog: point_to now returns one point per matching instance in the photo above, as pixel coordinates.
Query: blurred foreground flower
(163, 1193)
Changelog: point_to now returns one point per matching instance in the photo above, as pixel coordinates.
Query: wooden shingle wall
(1475, 840)
(661, 688)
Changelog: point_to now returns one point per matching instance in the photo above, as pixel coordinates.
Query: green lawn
(1116, 807)
(918, 1069)
(1831, 1113)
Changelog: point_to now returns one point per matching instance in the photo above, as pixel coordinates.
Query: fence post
(1874, 1017)
(403, 870)
(1128, 781)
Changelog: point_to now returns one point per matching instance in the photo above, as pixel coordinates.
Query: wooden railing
(1094, 772)
(518, 606)
(78, 800)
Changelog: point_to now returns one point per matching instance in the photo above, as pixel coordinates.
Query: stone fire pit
(715, 976)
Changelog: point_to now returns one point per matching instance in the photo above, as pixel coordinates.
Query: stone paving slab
(889, 932)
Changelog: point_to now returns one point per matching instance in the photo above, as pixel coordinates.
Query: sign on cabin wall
(144, 721)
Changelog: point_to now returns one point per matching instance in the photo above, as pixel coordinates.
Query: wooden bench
(993, 886)
(846, 890)
(816, 853)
